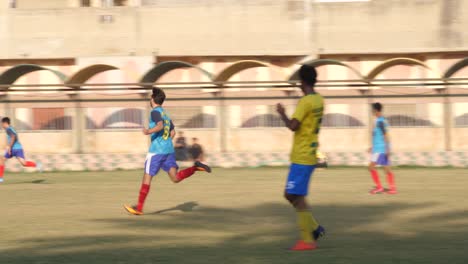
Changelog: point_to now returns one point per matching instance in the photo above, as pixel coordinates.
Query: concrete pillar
(223, 118)
(78, 127)
(448, 121)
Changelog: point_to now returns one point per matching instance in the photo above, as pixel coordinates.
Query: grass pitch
(231, 216)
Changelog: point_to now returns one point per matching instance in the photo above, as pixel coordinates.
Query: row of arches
(10, 76)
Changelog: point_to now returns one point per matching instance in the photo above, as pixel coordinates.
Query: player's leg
(375, 175)
(176, 175)
(152, 166)
(3, 159)
(19, 154)
(2, 167)
(391, 180)
(296, 191)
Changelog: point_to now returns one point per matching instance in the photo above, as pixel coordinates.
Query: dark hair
(377, 107)
(6, 120)
(308, 75)
(158, 96)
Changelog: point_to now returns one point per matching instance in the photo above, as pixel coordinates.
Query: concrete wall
(206, 28)
(54, 28)
(385, 26)
(46, 142)
(460, 138)
(243, 140)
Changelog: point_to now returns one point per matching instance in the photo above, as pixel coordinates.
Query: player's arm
(293, 124)
(173, 132)
(157, 118)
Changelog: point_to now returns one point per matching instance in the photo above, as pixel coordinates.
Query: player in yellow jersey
(305, 123)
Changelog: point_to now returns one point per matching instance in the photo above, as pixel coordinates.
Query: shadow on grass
(185, 207)
(39, 181)
(260, 234)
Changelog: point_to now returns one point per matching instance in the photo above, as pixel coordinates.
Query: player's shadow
(41, 181)
(185, 207)
(38, 181)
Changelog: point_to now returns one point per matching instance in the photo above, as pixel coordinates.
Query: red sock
(375, 177)
(30, 164)
(183, 174)
(391, 180)
(2, 170)
(144, 190)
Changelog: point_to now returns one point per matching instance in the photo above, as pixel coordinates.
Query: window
(111, 3)
(340, 120)
(85, 3)
(191, 117)
(407, 115)
(114, 118)
(462, 120)
(120, 2)
(260, 116)
(42, 119)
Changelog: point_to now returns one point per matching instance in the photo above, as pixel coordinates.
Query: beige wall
(255, 27)
(46, 142)
(392, 26)
(133, 141)
(259, 140)
(246, 28)
(115, 142)
(460, 138)
(420, 139)
(344, 139)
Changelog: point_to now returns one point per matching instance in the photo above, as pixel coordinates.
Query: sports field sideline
(232, 216)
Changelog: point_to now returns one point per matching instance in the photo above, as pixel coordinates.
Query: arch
(162, 68)
(11, 75)
(408, 121)
(455, 68)
(128, 115)
(90, 124)
(394, 62)
(86, 73)
(59, 123)
(340, 120)
(237, 67)
(265, 120)
(324, 62)
(201, 121)
(461, 120)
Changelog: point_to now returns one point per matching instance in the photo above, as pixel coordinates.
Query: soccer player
(161, 152)
(14, 149)
(305, 123)
(381, 152)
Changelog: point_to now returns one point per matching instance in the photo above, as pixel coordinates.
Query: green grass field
(232, 216)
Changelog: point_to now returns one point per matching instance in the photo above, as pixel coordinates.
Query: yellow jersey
(309, 113)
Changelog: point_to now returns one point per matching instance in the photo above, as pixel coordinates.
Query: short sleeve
(172, 126)
(382, 127)
(156, 117)
(10, 132)
(301, 111)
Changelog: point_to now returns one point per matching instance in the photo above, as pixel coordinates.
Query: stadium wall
(54, 29)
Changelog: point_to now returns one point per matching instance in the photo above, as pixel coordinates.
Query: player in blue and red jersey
(161, 153)
(381, 152)
(14, 149)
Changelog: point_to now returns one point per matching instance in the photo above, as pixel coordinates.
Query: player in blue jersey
(381, 152)
(14, 149)
(161, 153)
